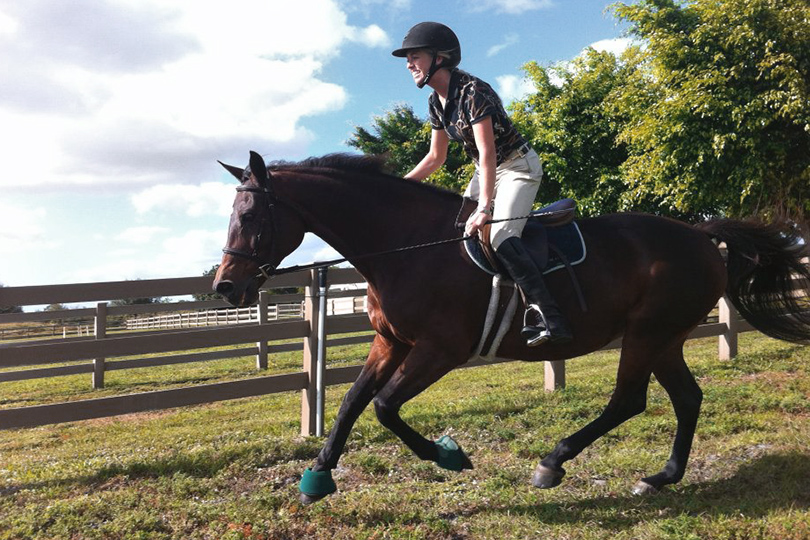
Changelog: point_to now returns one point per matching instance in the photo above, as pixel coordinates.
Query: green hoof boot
(315, 485)
(451, 456)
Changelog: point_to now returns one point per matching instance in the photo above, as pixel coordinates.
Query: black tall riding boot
(550, 324)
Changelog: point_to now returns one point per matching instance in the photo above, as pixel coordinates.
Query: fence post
(727, 346)
(308, 394)
(554, 375)
(101, 333)
(320, 381)
(261, 358)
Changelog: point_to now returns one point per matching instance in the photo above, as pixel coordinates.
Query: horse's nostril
(224, 287)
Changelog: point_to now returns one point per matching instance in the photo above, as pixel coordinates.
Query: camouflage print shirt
(470, 100)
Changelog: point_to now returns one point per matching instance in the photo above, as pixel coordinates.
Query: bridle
(266, 269)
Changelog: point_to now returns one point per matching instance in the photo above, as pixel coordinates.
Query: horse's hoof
(306, 500)
(315, 485)
(546, 477)
(643, 488)
(451, 456)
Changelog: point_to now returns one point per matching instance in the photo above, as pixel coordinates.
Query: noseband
(266, 269)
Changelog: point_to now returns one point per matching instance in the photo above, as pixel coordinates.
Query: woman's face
(419, 64)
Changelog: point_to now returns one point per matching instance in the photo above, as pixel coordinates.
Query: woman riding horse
(464, 108)
(649, 280)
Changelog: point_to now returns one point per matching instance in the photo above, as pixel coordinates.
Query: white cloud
(210, 198)
(8, 26)
(512, 87)
(372, 36)
(616, 46)
(127, 93)
(188, 254)
(141, 235)
(22, 229)
(512, 7)
(508, 41)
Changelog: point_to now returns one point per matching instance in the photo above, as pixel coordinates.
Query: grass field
(230, 470)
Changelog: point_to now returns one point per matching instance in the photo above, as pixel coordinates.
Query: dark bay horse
(647, 279)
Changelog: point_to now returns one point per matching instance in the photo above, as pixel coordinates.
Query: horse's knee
(632, 405)
(386, 412)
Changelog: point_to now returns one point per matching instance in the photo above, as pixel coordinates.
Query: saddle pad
(566, 238)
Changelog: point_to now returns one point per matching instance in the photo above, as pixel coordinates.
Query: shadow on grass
(203, 464)
(769, 483)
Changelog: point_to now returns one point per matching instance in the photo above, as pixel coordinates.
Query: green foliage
(725, 125)
(707, 115)
(212, 295)
(403, 139)
(574, 128)
(137, 301)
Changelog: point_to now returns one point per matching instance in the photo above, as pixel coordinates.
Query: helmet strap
(433, 69)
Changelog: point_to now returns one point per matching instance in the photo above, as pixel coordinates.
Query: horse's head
(261, 233)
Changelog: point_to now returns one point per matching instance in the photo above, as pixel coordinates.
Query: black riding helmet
(435, 37)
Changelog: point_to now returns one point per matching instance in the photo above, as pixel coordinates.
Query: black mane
(354, 163)
(340, 161)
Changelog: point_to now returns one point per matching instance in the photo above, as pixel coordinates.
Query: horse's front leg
(423, 366)
(382, 360)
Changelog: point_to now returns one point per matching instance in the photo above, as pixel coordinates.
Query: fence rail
(254, 335)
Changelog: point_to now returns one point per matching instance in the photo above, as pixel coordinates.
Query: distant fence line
(260, 337)
(217, 317)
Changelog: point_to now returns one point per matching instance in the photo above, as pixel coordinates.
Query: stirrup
(535, 334)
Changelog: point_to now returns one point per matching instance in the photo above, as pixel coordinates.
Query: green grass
(230, 470)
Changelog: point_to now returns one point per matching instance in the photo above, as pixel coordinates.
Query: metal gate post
(320, 383)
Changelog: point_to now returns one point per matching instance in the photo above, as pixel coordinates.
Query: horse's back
(640, 270)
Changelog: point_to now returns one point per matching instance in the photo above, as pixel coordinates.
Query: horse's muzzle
(237, 296)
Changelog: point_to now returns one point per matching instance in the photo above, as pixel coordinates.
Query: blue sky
(114, 112)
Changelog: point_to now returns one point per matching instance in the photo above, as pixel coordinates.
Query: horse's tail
(768, 279)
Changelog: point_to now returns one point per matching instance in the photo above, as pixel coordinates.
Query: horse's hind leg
(423, 366)
(686, 398)
(628, 399)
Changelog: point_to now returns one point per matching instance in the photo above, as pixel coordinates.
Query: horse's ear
(258, 168)
(236, 171)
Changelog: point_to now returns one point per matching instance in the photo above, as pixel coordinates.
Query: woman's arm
(487, 163)
(435, 157)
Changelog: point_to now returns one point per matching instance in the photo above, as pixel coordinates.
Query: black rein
(267, 270)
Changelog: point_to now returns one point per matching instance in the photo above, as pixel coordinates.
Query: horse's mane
(355, 163)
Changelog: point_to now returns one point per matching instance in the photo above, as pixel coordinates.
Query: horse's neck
(368, 215)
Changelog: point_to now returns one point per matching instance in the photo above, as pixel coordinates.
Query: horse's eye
(248, 217)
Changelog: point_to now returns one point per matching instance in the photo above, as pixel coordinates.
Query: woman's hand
(476, 220)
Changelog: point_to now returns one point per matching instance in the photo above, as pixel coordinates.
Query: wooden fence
(217, 317)
(255, 338)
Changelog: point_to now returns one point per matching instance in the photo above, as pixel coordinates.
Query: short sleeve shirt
(469, 101)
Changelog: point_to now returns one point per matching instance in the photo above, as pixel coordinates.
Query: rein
(332, 262)
(267, 270)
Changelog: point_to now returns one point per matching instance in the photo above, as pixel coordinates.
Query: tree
(574, 129)
(138, 301)
(725, 125)
(212, 295)
(404, 139)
